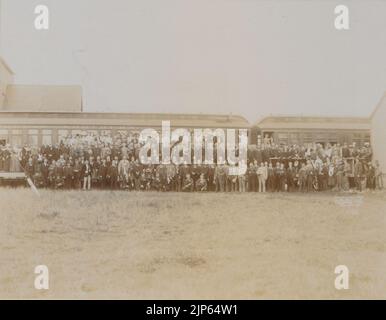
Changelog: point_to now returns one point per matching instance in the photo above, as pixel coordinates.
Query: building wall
(43, 98)
(378, 134)
(6, 78)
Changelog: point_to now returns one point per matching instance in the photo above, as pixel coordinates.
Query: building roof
(43, 98)
(313, 122)
(151, 120)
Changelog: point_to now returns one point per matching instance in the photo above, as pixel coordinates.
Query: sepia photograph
(221, 150)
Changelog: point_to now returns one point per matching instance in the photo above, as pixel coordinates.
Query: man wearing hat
(5, 158)
(68, 172)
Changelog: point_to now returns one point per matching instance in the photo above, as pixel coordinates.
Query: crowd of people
(103, 162)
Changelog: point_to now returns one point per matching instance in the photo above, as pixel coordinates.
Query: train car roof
(122, 119)
(313, 122)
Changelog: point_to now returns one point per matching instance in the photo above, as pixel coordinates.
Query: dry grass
(190, 246)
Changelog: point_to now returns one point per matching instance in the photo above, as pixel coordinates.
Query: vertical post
(1, 24)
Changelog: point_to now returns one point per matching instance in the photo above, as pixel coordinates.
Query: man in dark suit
(102, 172)
(358, 172)
(68, 175)
(86, 175)
(45, 171)
(112, 174)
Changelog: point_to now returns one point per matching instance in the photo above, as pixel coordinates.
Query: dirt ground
(122, 245)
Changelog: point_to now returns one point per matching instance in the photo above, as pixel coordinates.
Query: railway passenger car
(306, 130)
(42, 128)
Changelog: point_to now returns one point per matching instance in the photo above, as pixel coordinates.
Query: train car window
(106, 132)
(76, 132)
(308, 138)
(33, 137)
(294, 138)
(33, 140)
(357, 138)
(283, 138)
(62, 135)
(92, 132)
(17, 140)
(47, 137)
(123, 133)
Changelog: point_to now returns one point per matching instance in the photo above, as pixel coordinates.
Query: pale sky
(246, 57)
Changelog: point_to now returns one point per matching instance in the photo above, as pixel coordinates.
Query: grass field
(191, 246)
